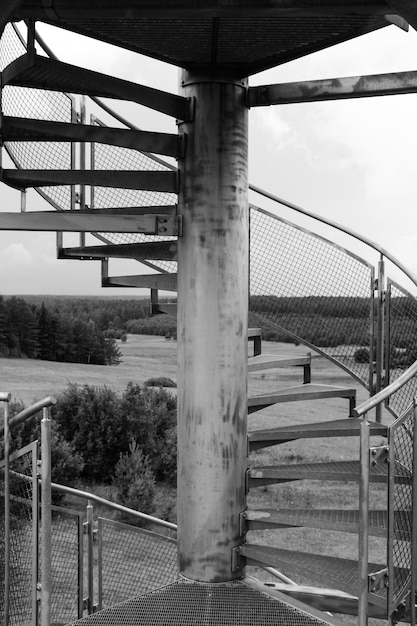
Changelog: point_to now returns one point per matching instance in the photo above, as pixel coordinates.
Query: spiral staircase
(126, 200)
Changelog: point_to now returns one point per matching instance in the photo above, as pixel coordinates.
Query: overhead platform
(236, 37)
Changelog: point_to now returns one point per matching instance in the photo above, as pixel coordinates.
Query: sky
(351, 161)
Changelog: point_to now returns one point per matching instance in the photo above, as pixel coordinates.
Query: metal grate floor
(188, 603)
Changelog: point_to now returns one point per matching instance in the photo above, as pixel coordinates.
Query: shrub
(134, 480)
(161, 381)
(361, 355)
(91, 421)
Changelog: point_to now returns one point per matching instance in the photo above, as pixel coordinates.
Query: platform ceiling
(238, 36)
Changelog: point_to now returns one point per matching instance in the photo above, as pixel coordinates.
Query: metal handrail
(118, 507)
(385, 393)
(29, 412)
(343, 229)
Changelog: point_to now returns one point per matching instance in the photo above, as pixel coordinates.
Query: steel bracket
(38, 592)
(378, 580)
(378, 454)
(243, 525)
(238, 561)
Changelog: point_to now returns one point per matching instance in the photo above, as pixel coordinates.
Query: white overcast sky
(352, 161)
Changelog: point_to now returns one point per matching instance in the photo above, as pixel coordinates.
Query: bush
(91, 421)
(361, 355)
(134, 480)
(161, 381)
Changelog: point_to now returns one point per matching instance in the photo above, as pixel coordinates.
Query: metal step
(150, 251)
(38, 72)
(271, 361)
(342, 520)
(304, 392)
(337, 428)
(325, 570)
(24, 129)
(325, 599)
(333, 470)
(166, 282)
(165, 181)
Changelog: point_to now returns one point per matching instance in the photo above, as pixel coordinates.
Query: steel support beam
(75, 221)
(212, 329)
(151, 250)
(334, 89)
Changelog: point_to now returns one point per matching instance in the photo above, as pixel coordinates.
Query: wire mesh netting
(305, 287)
(67, 555)
(36, 104)
(23, 532)
(400, 494)
(401, 343)
(115, 158)
(132, 561)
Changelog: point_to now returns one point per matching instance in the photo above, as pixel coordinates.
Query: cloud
(16, 256)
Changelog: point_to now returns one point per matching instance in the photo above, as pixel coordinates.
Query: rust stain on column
(212, 325)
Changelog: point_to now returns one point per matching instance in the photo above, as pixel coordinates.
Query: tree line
(29, 330)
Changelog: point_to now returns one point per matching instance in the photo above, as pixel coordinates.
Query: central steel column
(212, 328)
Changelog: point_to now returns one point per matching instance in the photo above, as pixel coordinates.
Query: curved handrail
(385, 393)
(117, 507)
(28, 412)
(343, 229)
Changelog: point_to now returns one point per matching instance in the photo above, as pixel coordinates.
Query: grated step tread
(336, 428)
(271, 361)
(332, 470)
(337, 572)
(308, 391)
(343, 520)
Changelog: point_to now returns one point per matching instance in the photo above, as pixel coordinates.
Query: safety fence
(56, 562)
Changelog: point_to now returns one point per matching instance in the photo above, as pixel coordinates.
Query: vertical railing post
(46, 507)
(5, 397)
(413, 566)
(363, 521)
(380, 342)
(90, 557)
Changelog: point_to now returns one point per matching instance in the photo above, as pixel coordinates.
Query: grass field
(148, 356)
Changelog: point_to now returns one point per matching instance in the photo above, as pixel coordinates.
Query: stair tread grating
(341, 573)
(331, 470)
(345, 427)
(377, 518)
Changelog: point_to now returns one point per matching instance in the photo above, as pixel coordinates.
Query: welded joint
(258, 96)
(378, 580)
(378, 455)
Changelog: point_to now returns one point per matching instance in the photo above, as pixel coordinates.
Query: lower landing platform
(189, 603)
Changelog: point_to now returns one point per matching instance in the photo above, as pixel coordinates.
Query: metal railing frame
(45, 477)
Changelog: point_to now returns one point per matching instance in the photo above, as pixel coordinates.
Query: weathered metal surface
(212, 330)
(334, 89)
(74, 221)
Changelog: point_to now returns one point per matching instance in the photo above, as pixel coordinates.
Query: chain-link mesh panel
(67, 550)
(306, 287)
(36, 104)
(401, 343)
(133, 561)
(400, 504)
(23, 529)
(115, 158)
